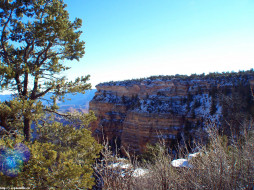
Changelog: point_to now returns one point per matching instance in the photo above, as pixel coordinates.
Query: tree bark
(27, 129)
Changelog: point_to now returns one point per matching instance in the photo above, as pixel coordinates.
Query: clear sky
(128, 39)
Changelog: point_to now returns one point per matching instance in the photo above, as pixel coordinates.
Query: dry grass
(222, 164)
(110, 176)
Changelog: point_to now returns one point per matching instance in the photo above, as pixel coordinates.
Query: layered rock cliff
(136, 112)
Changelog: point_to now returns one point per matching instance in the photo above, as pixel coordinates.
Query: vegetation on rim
(211, 76)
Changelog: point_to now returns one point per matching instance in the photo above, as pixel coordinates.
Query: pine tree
(35, 39)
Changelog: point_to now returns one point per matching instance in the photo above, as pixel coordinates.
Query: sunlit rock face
(137, 112)
(140, 128)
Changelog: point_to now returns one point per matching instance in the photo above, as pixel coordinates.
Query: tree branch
(18, 83)
(60, 114)
(43, 52)
(42, 93)
(25, 84)
(2, 39)
(35, 89)
(26, 54)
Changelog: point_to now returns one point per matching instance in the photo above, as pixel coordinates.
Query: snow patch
(180, 163)
(194, 155)
(139, 172)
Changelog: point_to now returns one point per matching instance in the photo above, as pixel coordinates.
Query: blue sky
(128, 39)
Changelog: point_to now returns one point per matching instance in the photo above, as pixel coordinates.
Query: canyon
(171, 109)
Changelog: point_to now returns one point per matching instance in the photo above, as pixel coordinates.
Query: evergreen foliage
(36, 37)
(152, 152)
(61, 158)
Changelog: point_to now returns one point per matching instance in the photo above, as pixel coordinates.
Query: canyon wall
(136, 112)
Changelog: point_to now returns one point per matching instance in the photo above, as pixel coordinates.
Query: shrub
(224, 163)
(61, 158)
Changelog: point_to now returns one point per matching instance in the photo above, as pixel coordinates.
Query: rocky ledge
(170, 108)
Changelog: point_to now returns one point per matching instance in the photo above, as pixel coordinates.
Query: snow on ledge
(180, 163)
(139, 172)
(194, 155)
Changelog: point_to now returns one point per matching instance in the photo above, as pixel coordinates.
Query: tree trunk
(27, 129)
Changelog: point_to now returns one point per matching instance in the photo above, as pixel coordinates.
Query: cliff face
(138, 112)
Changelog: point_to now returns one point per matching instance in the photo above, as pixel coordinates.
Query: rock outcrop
(136, 112)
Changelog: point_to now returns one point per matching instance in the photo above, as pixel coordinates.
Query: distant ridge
(78, 101)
